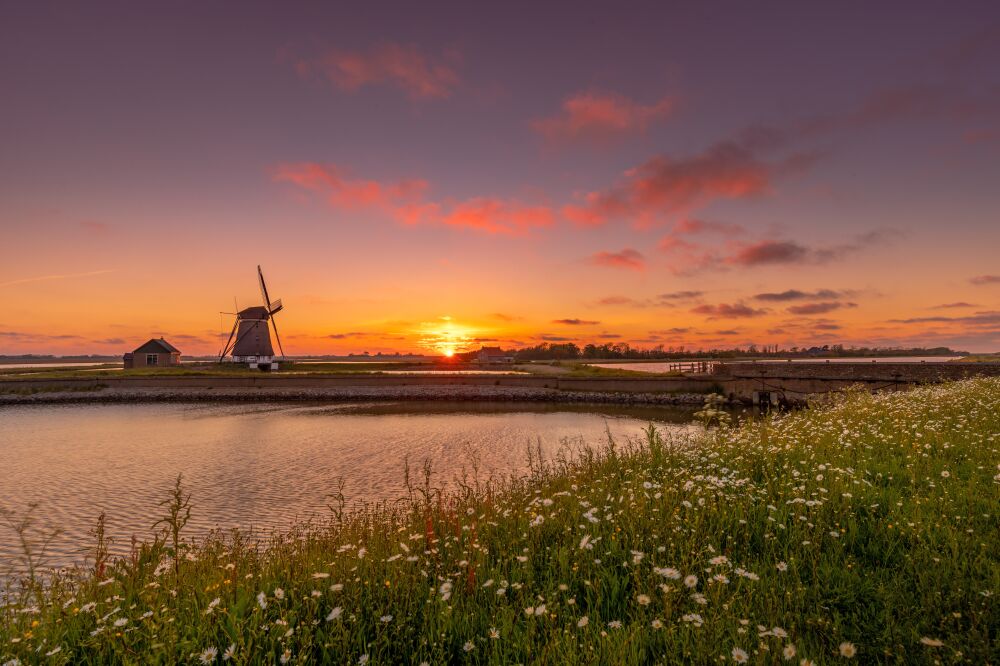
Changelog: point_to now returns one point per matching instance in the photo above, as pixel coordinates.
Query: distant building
(154, 354)
(491, 355)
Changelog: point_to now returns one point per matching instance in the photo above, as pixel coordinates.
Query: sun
(449, 352)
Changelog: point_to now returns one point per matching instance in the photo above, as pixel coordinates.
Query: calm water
(267, 465)
(665, 366)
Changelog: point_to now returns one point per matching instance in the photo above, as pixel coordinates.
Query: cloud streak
(61, 276)
(593, 115)
(628, 258)
(402, 65)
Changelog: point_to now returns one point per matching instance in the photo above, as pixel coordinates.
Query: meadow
(864, 529)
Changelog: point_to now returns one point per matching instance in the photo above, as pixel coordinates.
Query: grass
(865, 529)
(979, 358)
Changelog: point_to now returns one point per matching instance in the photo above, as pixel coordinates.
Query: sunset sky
(417, 176)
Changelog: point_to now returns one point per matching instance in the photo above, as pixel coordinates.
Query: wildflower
(334, 614)
(363, 659)
(230, 652)
(494, 633)
(719, 559)
(320, 574)
(336, 587)
(585, 542)
(691, 581)
(279, 593)
(468, 647)
(262, 600)
(53, 651)
(945, 474)
(583, 622)
(778, 632)
(643, 600)
(667, 572)
(615, 624)
(386, 619)
(121, 622)
(445, 590)
(788, 652)
(781, 566)
(285, 656)
(847, 650)
(656, 624)
(540, 610)
(88, 608)
(208, 655)
(211, 605)
(693, 618)
(931, 642)
(740, 656)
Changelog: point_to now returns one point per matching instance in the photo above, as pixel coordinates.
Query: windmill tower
(250, 340)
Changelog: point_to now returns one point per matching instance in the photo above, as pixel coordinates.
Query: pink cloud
(664, 186)
(498, 216)
(402, 65)
(985, 279)
(627, 258)
(601, 115)
(692, 226)
(405, 201)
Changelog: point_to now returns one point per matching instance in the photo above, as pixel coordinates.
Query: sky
(432, 177)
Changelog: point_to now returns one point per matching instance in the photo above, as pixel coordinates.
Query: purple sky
(397, 166)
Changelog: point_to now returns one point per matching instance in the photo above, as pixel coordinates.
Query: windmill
(250, 340)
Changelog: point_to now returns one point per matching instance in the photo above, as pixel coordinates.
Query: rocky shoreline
(456, 393)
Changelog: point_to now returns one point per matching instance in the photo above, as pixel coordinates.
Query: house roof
(490, 350)
(157, 346)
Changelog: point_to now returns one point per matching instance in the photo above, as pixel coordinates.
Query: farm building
(155, 353)
(492, 355)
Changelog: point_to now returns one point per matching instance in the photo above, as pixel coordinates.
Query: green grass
(868, 526)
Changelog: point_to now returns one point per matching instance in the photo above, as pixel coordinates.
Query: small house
(493, 355)
(154, 354)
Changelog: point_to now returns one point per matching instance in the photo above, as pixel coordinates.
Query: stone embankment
(454, 393)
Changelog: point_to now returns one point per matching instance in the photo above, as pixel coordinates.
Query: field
(865, 529)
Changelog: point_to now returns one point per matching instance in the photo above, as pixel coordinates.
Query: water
(88, 364)
(665, 366)
(265, 465)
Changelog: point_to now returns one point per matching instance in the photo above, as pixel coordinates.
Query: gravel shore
(357, 393)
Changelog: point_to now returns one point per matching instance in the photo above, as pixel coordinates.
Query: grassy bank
(867, 529)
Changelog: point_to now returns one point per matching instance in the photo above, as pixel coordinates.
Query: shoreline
(455, 393)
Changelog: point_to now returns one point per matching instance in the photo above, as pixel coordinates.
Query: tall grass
(864, 529)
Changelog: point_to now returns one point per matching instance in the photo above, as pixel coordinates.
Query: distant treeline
(622, 350)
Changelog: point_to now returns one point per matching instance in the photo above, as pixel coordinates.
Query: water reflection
(267, 465)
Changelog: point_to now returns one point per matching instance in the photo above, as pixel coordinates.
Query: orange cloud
(596, 115)
(405, 201)
(498, 217)
(627, 258)
(402, 65)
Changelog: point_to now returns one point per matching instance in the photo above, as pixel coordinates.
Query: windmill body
(250, 340)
